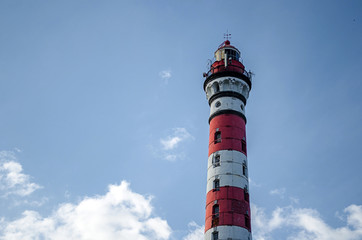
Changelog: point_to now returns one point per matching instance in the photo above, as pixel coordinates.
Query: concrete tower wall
(227, 199)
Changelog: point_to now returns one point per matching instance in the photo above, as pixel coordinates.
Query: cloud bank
(123, 214)
(119, 214)
(305, 224)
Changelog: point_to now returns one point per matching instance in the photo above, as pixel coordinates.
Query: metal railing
(229, 67)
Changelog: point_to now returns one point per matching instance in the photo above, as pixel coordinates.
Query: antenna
(227, 35)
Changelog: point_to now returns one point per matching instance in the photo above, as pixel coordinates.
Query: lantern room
(226, 59)
(228, 51)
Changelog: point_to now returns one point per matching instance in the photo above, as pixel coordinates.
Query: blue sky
(103, 117)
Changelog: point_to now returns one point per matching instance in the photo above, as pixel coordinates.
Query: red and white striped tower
(227, 87)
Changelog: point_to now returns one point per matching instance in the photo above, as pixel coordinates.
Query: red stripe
(233, 208)
(227, 192)
(227, 120)
(232, 130)
(228, 219)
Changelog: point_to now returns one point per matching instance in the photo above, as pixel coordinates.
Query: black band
(227, 74)
(227, 112)
(227, 94)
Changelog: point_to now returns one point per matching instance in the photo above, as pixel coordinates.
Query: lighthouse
(227, 86)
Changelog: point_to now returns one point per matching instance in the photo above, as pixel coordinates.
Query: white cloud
(170, 145)
(178, 135)
(18, 150)
(165, 74)
(294, 200)
(279, 192)
(305, 224)
(254, 184)
(196, 232)
(119, 214)
(355, 216)
(34, 203)
(12, 179)
(171, 157)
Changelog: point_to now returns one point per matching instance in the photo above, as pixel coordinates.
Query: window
(244, 169)
(216, 87)
(243, 146)
(217, 137)
(216, 161)
(216, 185)
(217, 104)
(242, 107)
(232, 54)
(246, 194)
(215, 236)
(247, 221)
(245, 91)
(215, 211)
(218, 55)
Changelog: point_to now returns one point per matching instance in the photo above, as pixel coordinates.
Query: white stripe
(226, 168)
(229, 233)
(227, 156)
(227, 103)
(227, 84)
(229, 171)
(228, 180)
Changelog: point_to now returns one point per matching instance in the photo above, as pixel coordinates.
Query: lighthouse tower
(227, 87)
